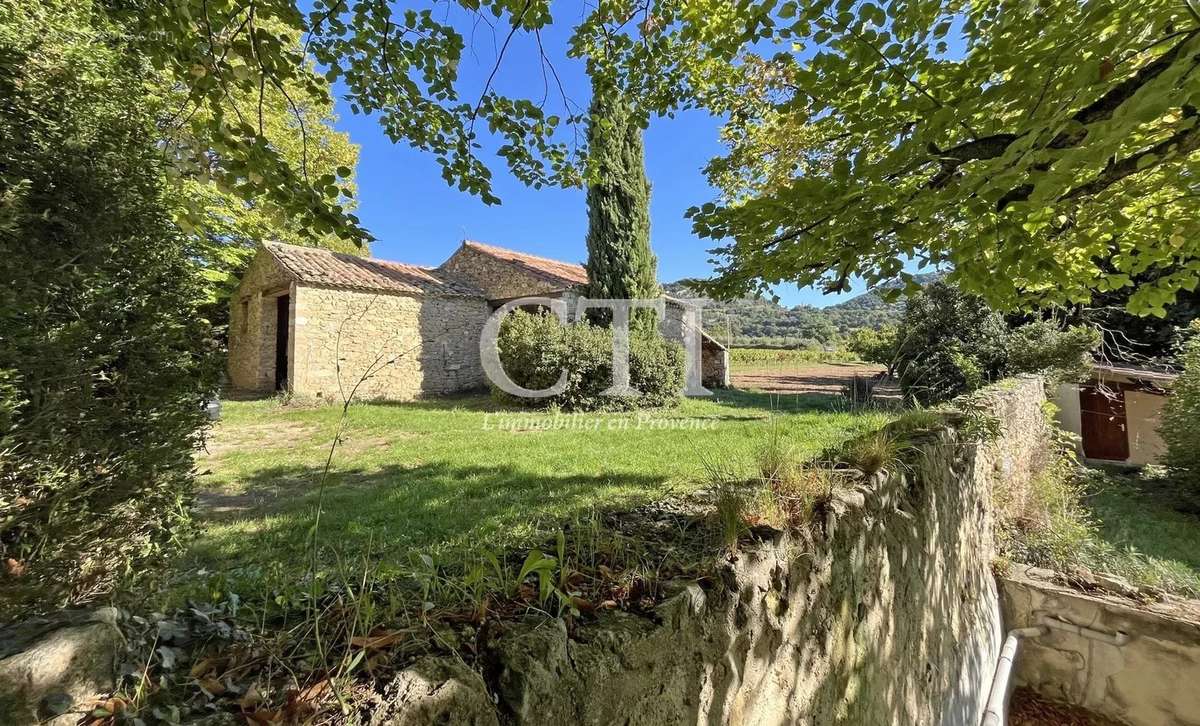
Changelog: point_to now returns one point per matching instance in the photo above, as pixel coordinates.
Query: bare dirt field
(808, 378)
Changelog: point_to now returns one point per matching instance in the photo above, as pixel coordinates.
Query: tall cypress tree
(620, 263)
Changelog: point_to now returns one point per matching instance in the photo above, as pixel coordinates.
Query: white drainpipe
(997, 703)
(996, 713)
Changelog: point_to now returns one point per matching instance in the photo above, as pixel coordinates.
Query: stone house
(301, 316)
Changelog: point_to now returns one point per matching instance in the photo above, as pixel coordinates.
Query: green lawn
(434, 476)
(1150, 532)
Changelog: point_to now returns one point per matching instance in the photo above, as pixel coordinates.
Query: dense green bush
(103, 359)
(1043, 346)
(950, 343)
(1180, 427)
(535, 349)
(876, 346)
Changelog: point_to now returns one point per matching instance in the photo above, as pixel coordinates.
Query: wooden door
(1102, 423)
(282, 318)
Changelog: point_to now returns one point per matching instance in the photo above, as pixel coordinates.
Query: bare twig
(516, 24)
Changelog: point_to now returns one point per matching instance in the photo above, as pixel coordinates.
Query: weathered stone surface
(714, 358)
(405, 344)
(435, 691)
(1149, 680)
(503, 280)
(889, 614)
(252, 320)
(415, 345)
(52, 665)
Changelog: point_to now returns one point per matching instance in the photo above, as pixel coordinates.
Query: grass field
(748, 360)
(432, 477)
(1150, 534)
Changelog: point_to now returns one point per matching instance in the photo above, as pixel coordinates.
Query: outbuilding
(1116, 413)
(315, 322)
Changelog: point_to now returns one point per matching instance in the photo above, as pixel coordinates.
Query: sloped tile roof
(322, 267)
(566, 273)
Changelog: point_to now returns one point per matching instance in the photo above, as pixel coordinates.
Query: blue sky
(418, 218)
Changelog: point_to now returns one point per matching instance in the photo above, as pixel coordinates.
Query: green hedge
(535, 348)
(1181, 413)
(104, 361)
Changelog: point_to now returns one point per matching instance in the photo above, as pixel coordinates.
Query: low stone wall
(887, 614)
(1150, 680)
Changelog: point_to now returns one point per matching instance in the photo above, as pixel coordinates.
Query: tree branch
(516, 24)
(1180, 143)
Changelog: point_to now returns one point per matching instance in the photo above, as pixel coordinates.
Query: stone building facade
(317, 323)
(503, 274)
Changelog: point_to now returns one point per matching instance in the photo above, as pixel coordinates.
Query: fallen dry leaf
(378, 640)
(264, 718)
(301, 704)
(105, 707)
(14, 568)
(211, 686)
(206, 667)
(315, 692)
(251, 698)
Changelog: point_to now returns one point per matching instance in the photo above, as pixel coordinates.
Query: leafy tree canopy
(1040, 149)
(225, 228)
(1043, 149)
(401, 64)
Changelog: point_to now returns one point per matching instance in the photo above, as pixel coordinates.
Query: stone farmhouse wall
(498, 279)
(415, 345)
(714, 363)
(251, 362)
(427, 344)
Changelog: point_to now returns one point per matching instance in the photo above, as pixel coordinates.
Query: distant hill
(753, 321)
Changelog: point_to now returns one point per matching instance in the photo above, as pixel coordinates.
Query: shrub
(536, 348)
(950, 342)
(104, 362)
(1181, 414)
(1044, 347)
(876, 346)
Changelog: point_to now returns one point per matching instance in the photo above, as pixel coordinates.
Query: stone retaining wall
(887, 614)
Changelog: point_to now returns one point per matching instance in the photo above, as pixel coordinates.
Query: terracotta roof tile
(566, 273)
(335, 269)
